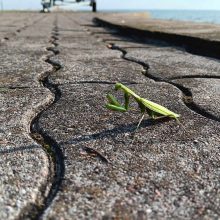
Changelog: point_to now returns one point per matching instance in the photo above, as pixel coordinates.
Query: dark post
(93, 4)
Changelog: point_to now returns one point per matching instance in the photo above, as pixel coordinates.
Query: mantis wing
(158, 108)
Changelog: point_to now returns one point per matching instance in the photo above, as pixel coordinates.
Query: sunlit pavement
(65, 156)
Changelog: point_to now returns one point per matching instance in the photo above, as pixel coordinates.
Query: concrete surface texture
(65, 156)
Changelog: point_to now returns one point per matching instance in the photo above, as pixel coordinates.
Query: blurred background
(192, 10)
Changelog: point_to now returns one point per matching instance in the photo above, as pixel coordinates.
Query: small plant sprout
(154, 110)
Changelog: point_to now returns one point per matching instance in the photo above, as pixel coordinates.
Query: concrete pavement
(64, 156)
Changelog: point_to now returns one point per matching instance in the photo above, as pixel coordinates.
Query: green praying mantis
(154, 110)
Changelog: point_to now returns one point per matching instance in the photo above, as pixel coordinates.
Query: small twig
(95, 153)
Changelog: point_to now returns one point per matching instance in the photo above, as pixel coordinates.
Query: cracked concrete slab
(170, 62)
(81, 50)
(22, 67)
(96, 70)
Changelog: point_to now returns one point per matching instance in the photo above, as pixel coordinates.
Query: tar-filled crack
(187, 95)
(52, 148)
(15, 87)
(100, 82)
(194, 77)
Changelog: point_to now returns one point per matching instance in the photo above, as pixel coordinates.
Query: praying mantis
(154, 110)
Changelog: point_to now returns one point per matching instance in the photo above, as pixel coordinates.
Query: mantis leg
(160, 117)
(142, 117)
(139, 123)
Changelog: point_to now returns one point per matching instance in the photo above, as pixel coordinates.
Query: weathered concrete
(12, 23)
(206, 93)
(158, 175)
(25, 166)
(144, 22)
(177, 63)
(82, 161)
(176, 66)
(196, 38)
(22, 67)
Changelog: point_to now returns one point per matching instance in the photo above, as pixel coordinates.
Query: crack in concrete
(99, 82)
(16, 149)
(51, 147)
(16, 87)
(194, 77)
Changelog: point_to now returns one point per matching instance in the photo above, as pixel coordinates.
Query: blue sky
(126, 4)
